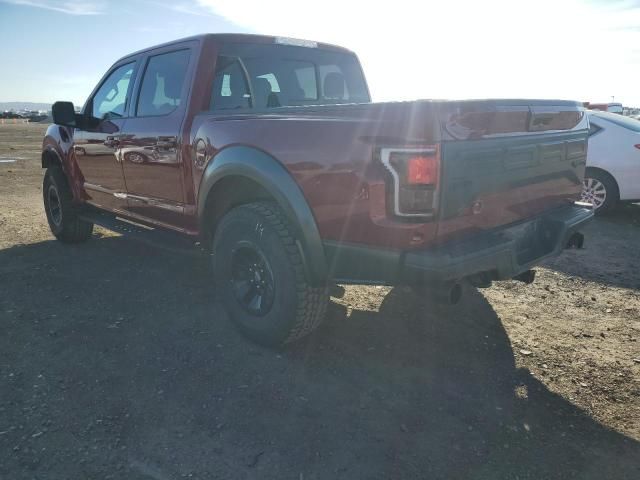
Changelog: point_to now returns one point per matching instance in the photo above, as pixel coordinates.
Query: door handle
(111, 142)
(166, 143)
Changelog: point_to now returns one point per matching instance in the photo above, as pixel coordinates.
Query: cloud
(188, 8)
(71, 7)
(578, 49)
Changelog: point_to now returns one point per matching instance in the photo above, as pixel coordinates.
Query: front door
(98, 154)
(151, 144)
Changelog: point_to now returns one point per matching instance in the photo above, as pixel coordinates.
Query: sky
(587, 50)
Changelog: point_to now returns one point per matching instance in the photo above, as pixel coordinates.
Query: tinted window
(111, 98)
(162, 83)
(333, 86)
(625, 122)
(278, 82)
(230, 89)
(282, 75)
(306, 76)
(273, 81)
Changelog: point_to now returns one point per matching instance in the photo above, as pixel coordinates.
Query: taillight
(422, 169)
(416, 174)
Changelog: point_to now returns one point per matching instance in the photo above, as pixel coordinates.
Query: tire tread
(74, 230)
(311, 301)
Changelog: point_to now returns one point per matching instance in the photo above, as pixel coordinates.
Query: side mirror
(64, 114)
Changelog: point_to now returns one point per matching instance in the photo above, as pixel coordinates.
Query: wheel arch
(240, 174)
(55, 145)
(604, 172)
(50, 158)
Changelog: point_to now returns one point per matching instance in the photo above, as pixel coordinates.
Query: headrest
(334, 86)
(263, 87)
(173, 84)
(237, 85)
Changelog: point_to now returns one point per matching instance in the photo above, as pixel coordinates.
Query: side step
(155, 237)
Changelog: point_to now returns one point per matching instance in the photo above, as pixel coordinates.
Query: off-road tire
(297, 308)
(62, 214)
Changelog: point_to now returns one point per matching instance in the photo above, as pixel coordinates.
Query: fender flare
(53, 144)
(270, 174)
(50, 150)
(58, 143)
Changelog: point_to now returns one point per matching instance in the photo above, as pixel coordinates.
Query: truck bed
(502, 161)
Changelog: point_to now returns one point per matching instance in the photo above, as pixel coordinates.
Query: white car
(613, 160)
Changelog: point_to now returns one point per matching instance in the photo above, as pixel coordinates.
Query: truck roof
(237, 38)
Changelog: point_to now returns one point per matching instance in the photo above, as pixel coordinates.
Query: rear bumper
(502, 253)
(505, 253)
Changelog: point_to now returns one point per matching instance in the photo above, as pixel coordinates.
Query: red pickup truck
(267, 153)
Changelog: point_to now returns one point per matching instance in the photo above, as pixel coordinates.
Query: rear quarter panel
(331, 153)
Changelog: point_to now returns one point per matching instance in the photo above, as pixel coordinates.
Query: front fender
(57, 149)
(266, 171)
(53, 147)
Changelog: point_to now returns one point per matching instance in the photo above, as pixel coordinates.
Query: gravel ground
(115, 362)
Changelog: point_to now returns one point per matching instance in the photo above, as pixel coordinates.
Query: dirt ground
(115, 362)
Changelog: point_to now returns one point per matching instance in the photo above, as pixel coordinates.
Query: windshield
(281, 75)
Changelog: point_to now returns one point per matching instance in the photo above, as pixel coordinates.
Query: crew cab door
(151, 146)
(98, 154)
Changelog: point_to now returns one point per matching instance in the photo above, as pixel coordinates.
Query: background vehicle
(275, 160)
(607, 107)
(613, 160)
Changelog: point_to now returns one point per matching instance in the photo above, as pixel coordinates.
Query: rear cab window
(230, 85)
(267, 76)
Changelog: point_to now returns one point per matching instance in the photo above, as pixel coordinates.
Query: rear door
(151, 147)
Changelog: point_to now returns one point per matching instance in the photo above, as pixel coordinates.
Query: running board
(155, 237)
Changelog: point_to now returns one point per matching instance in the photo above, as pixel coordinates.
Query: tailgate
(506, 161)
